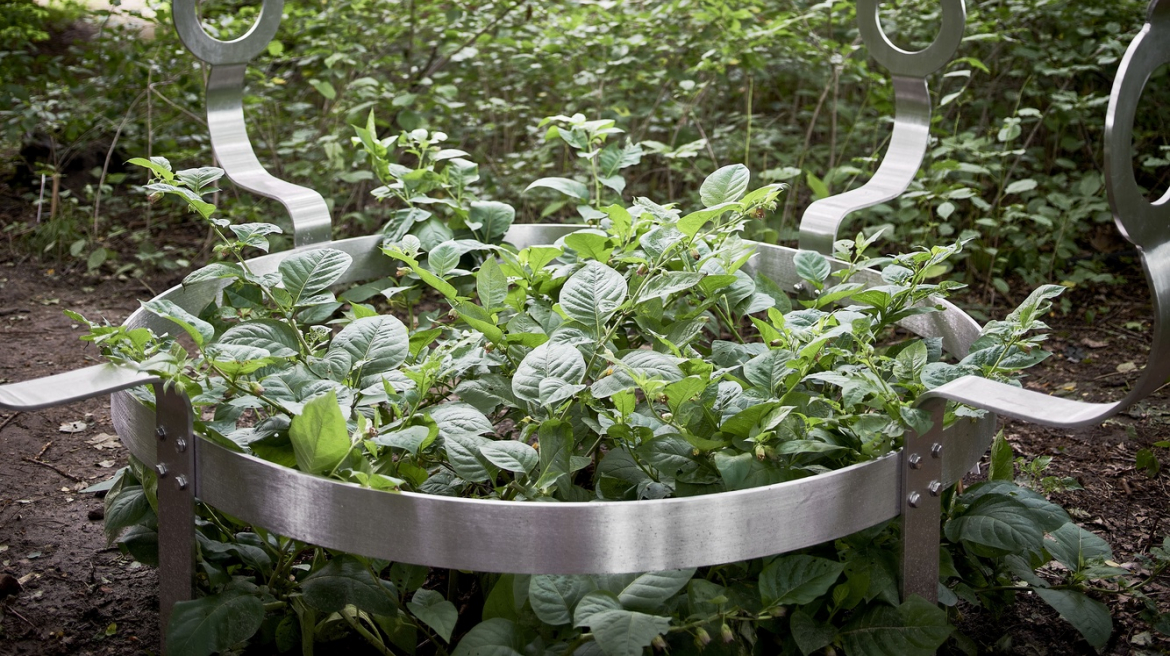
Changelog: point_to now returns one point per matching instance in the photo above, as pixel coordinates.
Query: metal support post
(176, 502)
(921, 506)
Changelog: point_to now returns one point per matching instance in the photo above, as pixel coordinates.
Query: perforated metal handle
(823, 219)
(225, 117)
(1145, 224)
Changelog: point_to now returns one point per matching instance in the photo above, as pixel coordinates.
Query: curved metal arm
(822, 219)
(225, 117)
(1145, 224)
(71, 386)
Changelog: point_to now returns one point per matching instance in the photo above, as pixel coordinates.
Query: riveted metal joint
(161, 468)
(935, 488)
(915, 461)
(912, 499)
(181, 482)
(160, 433)
(936, 450)
(181, 445)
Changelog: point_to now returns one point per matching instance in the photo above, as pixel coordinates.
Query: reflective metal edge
(1145, 224)
(822, 220)
(70, 387)
(544, 537)
(562, 537)
(185, 14)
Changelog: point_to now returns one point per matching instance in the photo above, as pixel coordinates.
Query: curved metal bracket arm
(71, 386)
(823, 219)
(225, 117)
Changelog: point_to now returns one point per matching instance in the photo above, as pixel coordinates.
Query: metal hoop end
(912, 64)
(236, 51)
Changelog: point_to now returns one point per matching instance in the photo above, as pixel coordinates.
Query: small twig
(44, 448)
(14, 311)
(9, 420)
(10, 609)
(50, 465)
(147, 286)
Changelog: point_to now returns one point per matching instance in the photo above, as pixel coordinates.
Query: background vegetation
(784, 86)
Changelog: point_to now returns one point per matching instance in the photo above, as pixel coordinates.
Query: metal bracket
(922, 474)
(823, 219)
(177, 481)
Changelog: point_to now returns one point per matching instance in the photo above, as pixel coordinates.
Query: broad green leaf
(690, 224)
(916, 628)
(616, 157)
(593, 294)
(546, 370)
(1020, 186)
(491, 285)
(812, 266)
(589, 245)
(459, 419)
(997, 522)
(809, 634)
(490, 220)
(465, 457)
(370, 345)
(595, 602)
(725, 185)
(443, 258)
(1074, 547)
(511, 455)
(671, 282)
(346, 580)
(319, 437)
(157, 165)
(682, 391)
(308, 272)
(798, 580)
(1002, 460)
(129, 507)
(199, 330)
(624, 632)
(566, 186)
(434, 611)
(255, 234)
(1089, 616)
(649, 592)
(214, 271)
(199, 178)
(494, 637)
(480, 319)
(273, 336)
(201, 627)
(553, 597)
(411, 439)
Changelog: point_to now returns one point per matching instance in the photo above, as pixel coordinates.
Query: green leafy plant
(632, 359)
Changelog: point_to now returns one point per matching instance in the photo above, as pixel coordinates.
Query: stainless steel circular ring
(1144, 223)
(236, 51)
(903, 62)
(548, 537)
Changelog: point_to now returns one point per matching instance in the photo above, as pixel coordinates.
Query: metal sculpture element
(822, 219)
(225, 117)
(532, 537)
(1145, 224)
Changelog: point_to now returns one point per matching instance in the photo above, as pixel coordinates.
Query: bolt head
(936, 450)
(160, 432)
(912, 499)
(935, 488)
(181, 445)
(181, 482)
(161, 468)
(915, 461)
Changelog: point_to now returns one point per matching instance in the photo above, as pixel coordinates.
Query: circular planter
(550, 537)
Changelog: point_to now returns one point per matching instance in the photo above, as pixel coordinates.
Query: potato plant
(634, 358)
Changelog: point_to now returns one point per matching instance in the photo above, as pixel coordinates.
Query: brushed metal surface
(225, 117)
(177, 481)
(911, 136)
(1145, 224)
(71, 386)
(546, 537)
(921, 468)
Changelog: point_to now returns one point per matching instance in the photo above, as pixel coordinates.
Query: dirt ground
(81, 597)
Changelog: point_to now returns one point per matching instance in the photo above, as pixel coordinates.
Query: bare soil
(79, 596)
